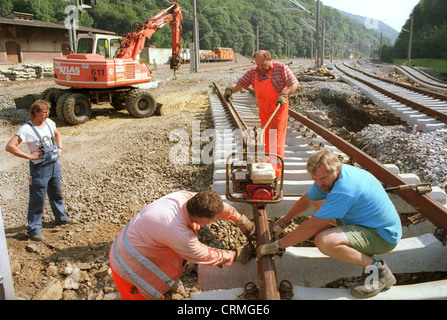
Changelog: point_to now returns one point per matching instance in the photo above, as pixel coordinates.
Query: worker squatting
(197, 147)
(226, 309)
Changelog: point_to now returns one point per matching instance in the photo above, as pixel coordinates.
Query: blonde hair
(324, 157)
(37, 106)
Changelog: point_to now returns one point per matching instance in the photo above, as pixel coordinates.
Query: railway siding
(428, 114)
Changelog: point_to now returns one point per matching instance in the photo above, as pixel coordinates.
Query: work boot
(68, 221)
(374, 280)
(37, 237)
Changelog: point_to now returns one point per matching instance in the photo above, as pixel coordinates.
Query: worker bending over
(367, 220)
(151, 252)
(273, 83)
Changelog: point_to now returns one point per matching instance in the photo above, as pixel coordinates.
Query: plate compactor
(254, 180)
(252, 173)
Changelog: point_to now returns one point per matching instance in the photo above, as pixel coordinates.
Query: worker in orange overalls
(151, 252)
(273, 83)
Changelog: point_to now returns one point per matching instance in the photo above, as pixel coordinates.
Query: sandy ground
(113, 166)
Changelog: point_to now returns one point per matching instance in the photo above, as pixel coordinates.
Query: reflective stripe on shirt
(144, 261)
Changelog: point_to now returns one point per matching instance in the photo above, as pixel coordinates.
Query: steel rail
(268, 288)
(428, 111)
(235, 116)
(422, 91)
(429, 208)
(267, 282)
(418, 73)
(237, 119)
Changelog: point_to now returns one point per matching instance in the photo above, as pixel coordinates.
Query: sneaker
(37, 237)
(369, 285)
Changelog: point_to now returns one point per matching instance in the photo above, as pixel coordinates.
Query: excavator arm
(133, 43)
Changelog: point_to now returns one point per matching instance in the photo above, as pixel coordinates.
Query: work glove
(282, 99)
(246, 226)
(279, 226)
(243, 255)
(267, 249)
(228, 94)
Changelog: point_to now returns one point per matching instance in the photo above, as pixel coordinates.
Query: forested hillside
(429, 33)
(228, 23)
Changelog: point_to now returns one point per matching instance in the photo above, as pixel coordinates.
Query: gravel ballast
(114, 165)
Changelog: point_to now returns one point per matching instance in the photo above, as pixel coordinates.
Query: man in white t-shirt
(45, 144)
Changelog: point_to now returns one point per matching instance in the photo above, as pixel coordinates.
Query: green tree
(6, 7)
(222, 23)
(429, 31)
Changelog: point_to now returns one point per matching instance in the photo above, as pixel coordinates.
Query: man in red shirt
(273, 83)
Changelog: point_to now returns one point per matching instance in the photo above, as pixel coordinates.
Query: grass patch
(439, 65)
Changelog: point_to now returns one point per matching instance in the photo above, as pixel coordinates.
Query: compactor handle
(271, 117)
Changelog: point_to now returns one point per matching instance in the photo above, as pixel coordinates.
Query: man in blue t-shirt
(354, 201)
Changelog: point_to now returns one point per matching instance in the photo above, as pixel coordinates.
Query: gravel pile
(104, 190)
(6, 102)
(424, 154)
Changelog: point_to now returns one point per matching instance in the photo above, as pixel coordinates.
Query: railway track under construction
(422, 78)
(423, 108)
(422, 248)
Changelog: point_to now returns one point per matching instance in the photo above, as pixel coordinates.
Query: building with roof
(24, 40)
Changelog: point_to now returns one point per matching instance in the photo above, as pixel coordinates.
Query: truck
(106, 69)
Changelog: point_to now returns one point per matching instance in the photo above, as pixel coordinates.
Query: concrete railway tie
(405, 113)
(305, 267)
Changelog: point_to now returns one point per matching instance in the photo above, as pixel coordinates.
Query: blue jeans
(45, 179)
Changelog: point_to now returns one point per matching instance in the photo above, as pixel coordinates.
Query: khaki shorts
(366, 240)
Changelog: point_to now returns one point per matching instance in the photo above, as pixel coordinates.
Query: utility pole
(381, 46)
(410, 41)
(332, 48)
(195, 50)
(317, 35)
(253, 39)
(322, 41)
(235, 56)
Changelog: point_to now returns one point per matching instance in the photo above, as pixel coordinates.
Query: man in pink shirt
(151, 252)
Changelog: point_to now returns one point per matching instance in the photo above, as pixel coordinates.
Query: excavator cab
(101, 44)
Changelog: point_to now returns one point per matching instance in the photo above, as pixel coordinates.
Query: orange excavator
(96, 76)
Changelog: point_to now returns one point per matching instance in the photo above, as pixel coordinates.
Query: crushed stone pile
(424, 154)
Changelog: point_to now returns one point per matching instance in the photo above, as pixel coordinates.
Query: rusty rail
(415, 73)
(417, 106)
(235, 116)
(426, 92)
(240, 124)
(424, 204)
(267, 283)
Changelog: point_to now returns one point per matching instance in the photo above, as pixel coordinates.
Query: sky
(392, 12)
